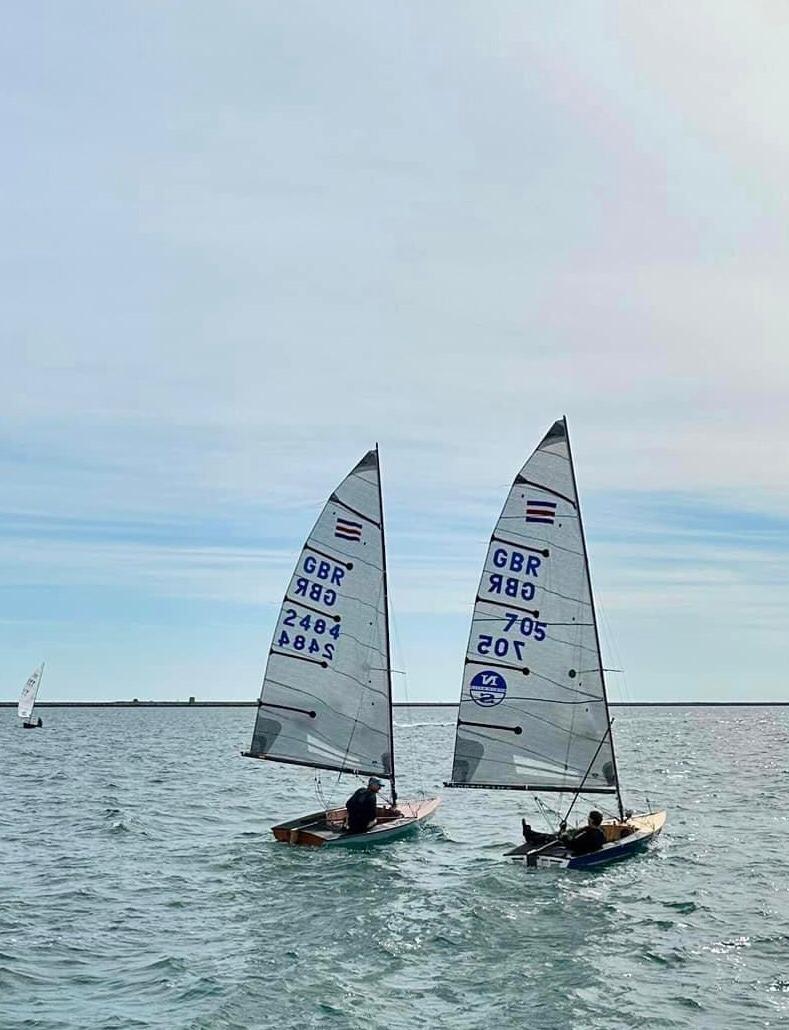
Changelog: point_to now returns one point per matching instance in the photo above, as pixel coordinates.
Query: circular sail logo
(488, 689)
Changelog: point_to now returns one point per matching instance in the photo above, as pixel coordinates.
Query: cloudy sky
(242, 241)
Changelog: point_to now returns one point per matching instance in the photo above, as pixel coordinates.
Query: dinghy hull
(643, 828)
(324, 829)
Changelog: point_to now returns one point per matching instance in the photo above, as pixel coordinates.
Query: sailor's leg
(534, 836)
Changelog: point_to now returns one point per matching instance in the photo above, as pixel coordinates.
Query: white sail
(325, 700)
(27, 699)
(533, 712)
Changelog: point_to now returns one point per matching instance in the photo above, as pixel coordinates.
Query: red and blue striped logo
(541, 511)
(347, 530)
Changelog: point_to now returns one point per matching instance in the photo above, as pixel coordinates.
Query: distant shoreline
(397, 704)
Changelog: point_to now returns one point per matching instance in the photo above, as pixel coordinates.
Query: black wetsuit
(587, 840)
(584, 842)
(361, 808)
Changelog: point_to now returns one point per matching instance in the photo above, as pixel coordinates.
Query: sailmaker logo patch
(488, 689)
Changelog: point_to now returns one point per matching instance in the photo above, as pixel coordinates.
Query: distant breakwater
(397, 704)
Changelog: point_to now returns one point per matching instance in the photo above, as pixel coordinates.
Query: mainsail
(326, 696)
(29, 691)
(533, 711)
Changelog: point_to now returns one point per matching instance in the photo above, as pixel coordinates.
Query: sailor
(39, 724)
(588, 839)
(579, 842)
(361, 807)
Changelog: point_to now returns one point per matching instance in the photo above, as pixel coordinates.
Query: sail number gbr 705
(513, 578)
(504, 647)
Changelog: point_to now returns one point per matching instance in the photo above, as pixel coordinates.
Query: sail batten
(534, 617)
(330, 708)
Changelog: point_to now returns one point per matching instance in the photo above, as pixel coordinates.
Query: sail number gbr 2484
(299, 634)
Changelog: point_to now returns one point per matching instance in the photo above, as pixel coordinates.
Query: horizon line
(193, 703)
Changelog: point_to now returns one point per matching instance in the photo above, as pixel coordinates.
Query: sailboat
(533, 711)
(27, 700)
(326, 700)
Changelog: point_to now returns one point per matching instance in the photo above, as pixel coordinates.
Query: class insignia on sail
(533, 711)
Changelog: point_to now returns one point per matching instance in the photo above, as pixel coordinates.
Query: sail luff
(388, 656)
(594, 621)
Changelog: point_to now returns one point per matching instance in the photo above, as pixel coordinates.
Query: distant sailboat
(533, 711)
(27, 700)
(326, 700)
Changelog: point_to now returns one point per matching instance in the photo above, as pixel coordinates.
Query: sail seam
(325, 704)
(566, 597)
(563, 686)
(525, 751)
(501, 604)
(524, 547)
(337, 561)
(309, 607)
(547, 700)
(300, 658)
(539, 486)
(538, 718)
(357, 558)
(336, 500)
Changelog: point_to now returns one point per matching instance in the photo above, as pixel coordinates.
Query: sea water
(140, 886)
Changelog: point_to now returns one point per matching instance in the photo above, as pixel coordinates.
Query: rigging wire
(408, 745)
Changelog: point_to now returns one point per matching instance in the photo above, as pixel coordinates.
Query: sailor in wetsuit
(580, 842)
(361, 807)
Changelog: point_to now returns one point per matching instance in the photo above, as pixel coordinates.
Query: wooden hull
(645, 828)
(324, 829)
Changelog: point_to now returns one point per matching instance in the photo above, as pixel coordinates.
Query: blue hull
(643, 829)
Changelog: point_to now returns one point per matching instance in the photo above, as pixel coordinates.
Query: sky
(242, 242)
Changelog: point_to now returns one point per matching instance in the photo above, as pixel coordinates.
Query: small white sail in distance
(27, 699)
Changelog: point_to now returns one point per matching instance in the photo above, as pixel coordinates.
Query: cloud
(239, 254)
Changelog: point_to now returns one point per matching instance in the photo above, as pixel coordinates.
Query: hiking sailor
(578, 842)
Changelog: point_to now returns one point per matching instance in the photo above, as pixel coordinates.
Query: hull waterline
(643, 828)
(324, 829)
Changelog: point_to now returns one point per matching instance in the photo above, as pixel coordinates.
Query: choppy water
(139, 886)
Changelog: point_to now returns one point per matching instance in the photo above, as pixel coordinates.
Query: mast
(386, 629)
(594, 623)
